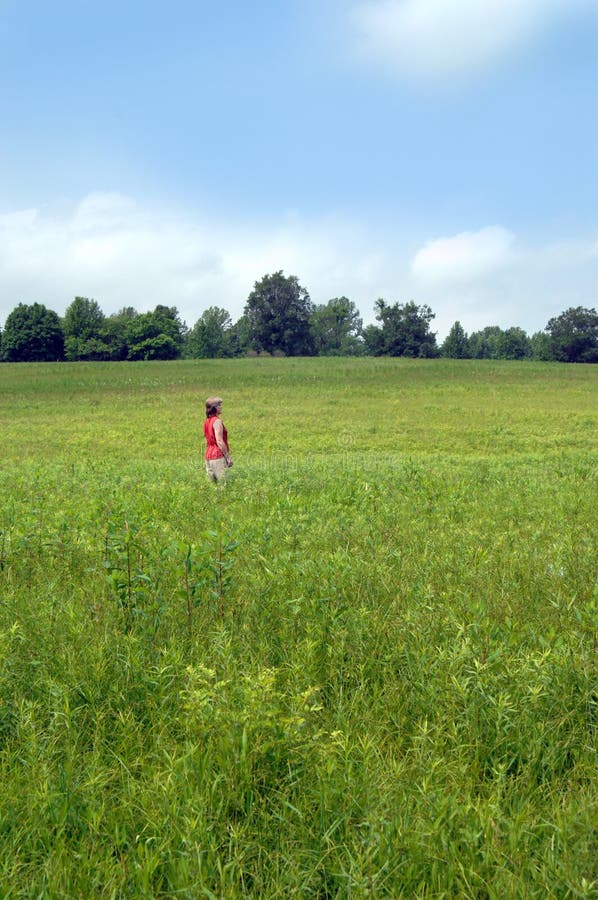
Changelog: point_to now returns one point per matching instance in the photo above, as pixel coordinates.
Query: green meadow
(366, 667)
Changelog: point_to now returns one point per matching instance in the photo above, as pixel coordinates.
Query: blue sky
(441, 151)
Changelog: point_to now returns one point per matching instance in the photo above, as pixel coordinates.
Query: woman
(218, 458)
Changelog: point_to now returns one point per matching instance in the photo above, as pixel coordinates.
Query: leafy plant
(206, 572)
(383, 685)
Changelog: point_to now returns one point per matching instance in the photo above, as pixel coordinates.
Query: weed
(365, 669)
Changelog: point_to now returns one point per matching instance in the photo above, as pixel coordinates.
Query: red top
(213, 451)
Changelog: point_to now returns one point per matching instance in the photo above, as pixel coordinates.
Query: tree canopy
(83, 326)
(336, 328)
(405, 330)
(280, 319)
(114, 332)
(210, 337)
(456, 343)
(493, 342)
(574, 335)
(155, 335)
(278, 314)
(514, 344)
(32, 333)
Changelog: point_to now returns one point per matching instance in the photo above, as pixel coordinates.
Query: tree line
(279, 319)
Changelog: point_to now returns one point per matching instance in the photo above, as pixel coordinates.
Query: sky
(436, 151)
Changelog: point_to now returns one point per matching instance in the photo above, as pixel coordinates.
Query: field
(366, 667)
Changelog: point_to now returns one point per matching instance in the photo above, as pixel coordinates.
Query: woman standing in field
(218, 458)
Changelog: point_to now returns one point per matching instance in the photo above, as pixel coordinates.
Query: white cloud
(493, 277)
(434, 38)
(110, 249)
(465, 257)
(98, 211)
(113, 250)
(17, 221)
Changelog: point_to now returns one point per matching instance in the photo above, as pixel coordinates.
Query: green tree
(574, 335)
(114, 332)
(336, 328)
(240, 342)
(171, 324)
(485, 344)
(514, 344)
(160, 346)
(373, 340)
(494, 343)
(278, 312)
(155, 335)
(33, 333)
(210, 336)
(83, 325)
(456, 343)
(540, 346)
(405, 330)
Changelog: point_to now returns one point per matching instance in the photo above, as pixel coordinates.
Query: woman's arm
(219, 435)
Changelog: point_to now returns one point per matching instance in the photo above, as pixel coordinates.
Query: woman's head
(213, 406)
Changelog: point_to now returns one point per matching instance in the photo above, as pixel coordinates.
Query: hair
(212, 404)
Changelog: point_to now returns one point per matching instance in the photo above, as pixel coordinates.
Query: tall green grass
(364, 668)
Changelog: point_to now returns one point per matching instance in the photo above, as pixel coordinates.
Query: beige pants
(216, 469)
